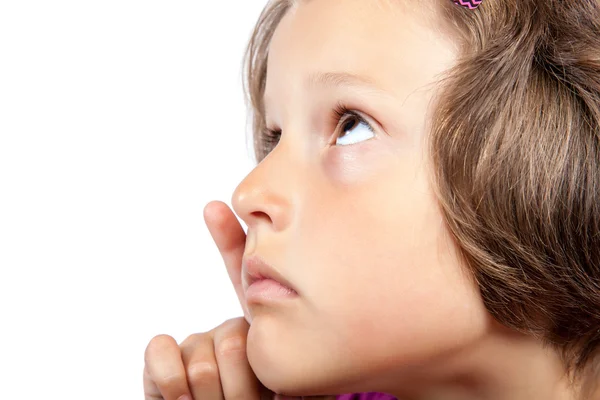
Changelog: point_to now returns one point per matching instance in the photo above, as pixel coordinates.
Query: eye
(270, 139)
(352, 127)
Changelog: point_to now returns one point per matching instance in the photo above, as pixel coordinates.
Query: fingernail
(184, 397)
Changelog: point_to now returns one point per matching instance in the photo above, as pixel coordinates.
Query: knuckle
(197, 347)
(240, 322)
(170, 381)
(235, 324)
(230, 338)
(202, 373)
(231, 346)
(193, 338)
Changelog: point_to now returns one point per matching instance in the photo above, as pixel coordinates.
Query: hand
(206, 366)
(230, 238)
(211, 365)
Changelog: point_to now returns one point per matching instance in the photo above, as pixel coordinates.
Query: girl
(425, 205)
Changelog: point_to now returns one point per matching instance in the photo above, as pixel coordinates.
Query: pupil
(350, 124)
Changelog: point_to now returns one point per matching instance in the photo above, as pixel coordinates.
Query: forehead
(380, 40)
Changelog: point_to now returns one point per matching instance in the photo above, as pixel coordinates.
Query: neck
(503, 365)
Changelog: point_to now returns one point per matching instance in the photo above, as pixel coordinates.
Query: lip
(255, 270)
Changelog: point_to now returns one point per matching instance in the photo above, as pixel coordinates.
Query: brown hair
(515, 140)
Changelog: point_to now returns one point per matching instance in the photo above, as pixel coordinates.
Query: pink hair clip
(471, 4)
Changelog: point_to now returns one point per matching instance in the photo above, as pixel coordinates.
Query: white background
(119, 121)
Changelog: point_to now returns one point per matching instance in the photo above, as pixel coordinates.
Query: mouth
(263, 283)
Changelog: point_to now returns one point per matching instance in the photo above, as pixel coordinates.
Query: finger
(230, 238)
(164, 375)
(151, 391)
(237, 378)
(198, 355)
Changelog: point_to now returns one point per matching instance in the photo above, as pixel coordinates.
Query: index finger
(230, 238)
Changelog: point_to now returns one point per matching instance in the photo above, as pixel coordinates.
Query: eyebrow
(336, 79)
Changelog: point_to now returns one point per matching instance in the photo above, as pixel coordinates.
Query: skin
(385, 303)
(212, 365)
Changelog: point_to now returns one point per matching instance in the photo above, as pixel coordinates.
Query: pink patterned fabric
(366, 396)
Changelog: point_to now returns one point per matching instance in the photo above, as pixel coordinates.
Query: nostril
(261, 216)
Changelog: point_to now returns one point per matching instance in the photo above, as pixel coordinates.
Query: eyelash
(340, 116)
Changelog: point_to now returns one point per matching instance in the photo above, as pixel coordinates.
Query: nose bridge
(265, 194)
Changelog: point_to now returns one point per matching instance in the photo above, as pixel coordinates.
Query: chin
(286, 361)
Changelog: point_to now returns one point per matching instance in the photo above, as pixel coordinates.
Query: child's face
(355, 228)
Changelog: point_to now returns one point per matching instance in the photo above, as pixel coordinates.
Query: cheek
(380, 266)
(355, 165)
(382, 289)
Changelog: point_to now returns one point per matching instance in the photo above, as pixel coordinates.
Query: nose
(264, 196)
